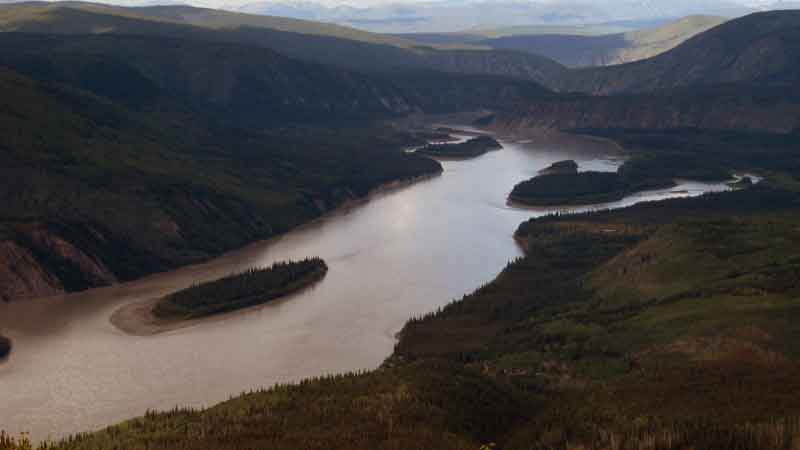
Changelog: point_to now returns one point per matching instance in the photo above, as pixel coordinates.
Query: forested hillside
(760, 48)
(365, 52)
(206, 145)
(95, 192)
(735, 106)
(741, 75)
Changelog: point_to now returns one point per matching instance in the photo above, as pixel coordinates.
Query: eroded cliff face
(92, 268)
(38, 262)
(23, 276)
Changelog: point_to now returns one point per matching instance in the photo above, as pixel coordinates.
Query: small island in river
(470, 149)
(5, 347)
(567, 167)
(238, 291)
(582, 188)
(561, 184)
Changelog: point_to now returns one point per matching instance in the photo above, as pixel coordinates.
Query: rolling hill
(134, 151)
(741, 75)
(20, 14)
(95, 191)
(246, 84)
(301, 40)
(735, 106)
(762, 48)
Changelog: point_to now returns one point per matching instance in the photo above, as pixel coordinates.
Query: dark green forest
(143, 192)
(143, 153)
(658, 157)
(584, 188)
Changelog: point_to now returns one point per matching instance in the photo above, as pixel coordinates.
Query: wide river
(401, 254)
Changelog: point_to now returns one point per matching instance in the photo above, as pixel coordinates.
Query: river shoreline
(137, 319)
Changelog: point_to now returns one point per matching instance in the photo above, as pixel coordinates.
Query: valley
(508, 237)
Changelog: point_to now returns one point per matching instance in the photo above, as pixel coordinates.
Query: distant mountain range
(421, 16)
(741, 75)
(460, 15)
(308, 41)
(578, 46)
(759, 48)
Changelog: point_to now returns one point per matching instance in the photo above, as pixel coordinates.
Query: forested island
(242, 290)
(566, 167)
(470, 149)
(582, 188)
(5, 346)
(562, 184)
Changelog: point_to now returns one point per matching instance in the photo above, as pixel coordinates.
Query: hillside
(741, 75)
(246, 84)
(651, 42)
(18, 16)
(95, 192)
(135, 100)
(760, 48)
(302, 41)
(606, 49)
(737, 106)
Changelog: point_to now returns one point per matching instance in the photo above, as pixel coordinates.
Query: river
(403, 253)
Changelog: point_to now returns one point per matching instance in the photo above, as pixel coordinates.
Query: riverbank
(137, 319)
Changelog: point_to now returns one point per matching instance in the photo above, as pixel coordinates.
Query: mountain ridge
(758, 48)
(324, 49)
